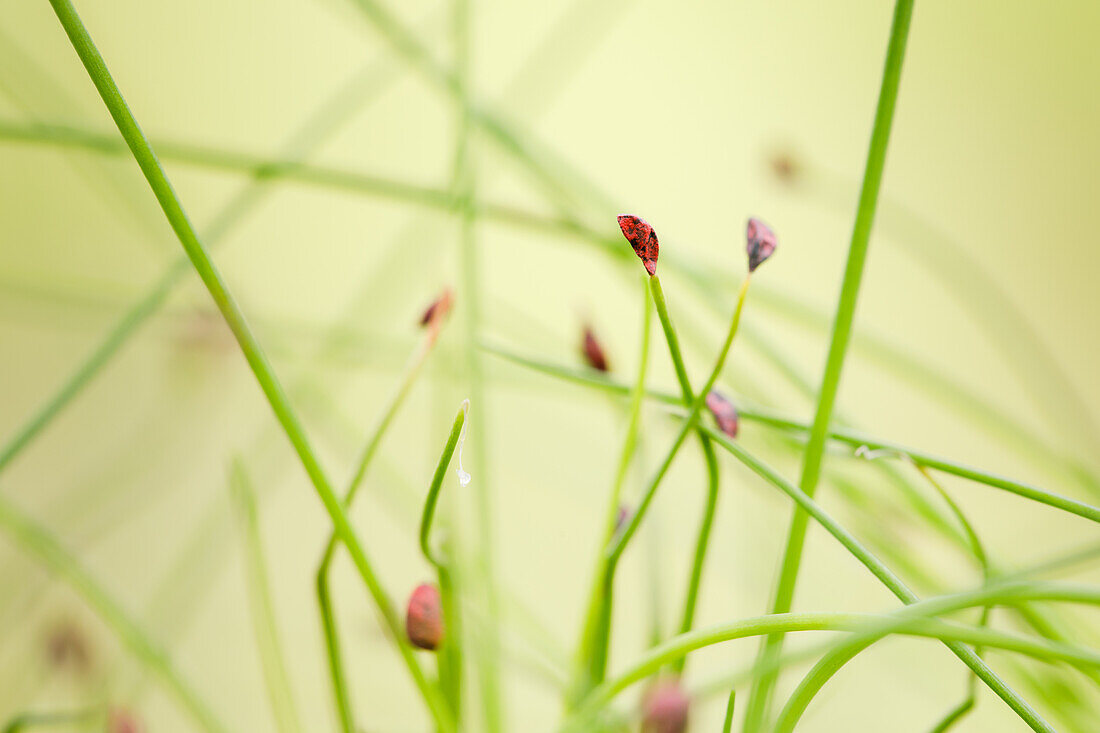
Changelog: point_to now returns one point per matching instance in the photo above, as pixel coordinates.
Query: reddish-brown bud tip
(643, 239)
(424, 618)
(760, 242)
(123, 721)
(665, 709)
(593, 352)
(725, 414)
(438, 310)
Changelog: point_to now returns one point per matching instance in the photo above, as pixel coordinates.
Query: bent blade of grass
(272, 660)
(760, 695)
(842, 435)
(858, 624)
(254, 354)
(40, 542)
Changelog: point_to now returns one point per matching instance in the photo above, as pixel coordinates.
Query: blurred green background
(984, 250)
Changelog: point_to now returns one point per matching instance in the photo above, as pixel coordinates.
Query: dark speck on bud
(725, 414)
(593, 352)
(643, 239)
(438, 310)
(665, 709)
(424, 618)
(760, 242)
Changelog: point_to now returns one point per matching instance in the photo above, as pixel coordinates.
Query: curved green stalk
(837, 434)
(592, 649)
(272, 659)
(884, 574)
(428, 513)
(832, 662)
(859, 624)
(450, 653)
(760, 695)
(254, 354)
(39, 541)
(322, 583)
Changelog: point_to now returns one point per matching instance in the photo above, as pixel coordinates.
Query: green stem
(317, 128)
(26, 721)
(710, 460)
(40, 542)
(272, 658)
(860, 625)
(616, 548)
(837, 434)
(760, 695)
(727, 726)
(323, 584)
(257, 360)
(883, 573)
(592, 648)
(428, 513)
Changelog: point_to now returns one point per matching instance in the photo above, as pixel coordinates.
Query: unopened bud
(438, 310)
(593, 352)
(665, 709)
(643, 239)
(424, 618)
(760, 242)
(725, 414)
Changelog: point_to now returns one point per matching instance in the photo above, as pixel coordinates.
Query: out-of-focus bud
(760, 242)
(593, 351)
(643, 239)
(438, 310)
(424, 618)
(66, 645)
(725, 414)
(665, 709)
(785, 167)
(120, 720)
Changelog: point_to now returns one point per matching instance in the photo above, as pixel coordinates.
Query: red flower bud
(438, 310)
(761, 242)
(725, 414)
(665, 709)
(424, 618)
(643, 239)
(593, 351)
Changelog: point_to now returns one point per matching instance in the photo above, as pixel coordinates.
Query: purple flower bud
(665, 709)
(424, 618)
(643, 239)
(761, 242)
(725, 414)
(593, 351)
